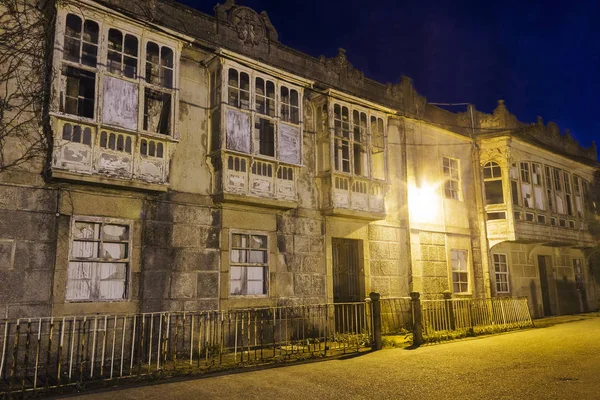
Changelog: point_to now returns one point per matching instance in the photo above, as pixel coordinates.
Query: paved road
(559, 362)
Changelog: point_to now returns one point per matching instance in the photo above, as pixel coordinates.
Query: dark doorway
(346, 270)
(350, 316)
(543, 265)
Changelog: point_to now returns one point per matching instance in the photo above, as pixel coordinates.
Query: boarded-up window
(238, 131)
(120, 103)
(98, 261)
(289, 144)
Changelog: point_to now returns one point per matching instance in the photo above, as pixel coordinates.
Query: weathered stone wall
(27, 247)
(388, 267)
(301, 270)
(180, 257)
(524, 277)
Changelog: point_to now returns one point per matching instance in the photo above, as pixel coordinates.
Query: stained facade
(197, 163)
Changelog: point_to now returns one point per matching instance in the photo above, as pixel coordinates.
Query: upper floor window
(378, 148)
(492, 179)
(525, 174)
(257, 129)
(238, 89)
(122, 57)
(536, 174)
(115, 101)
(352, 129)
(81, 41)
(290, 108)
(451, 178)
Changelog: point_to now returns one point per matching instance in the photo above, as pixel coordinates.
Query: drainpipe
(483, 242)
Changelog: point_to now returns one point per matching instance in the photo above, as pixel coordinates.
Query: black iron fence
(41, 353)
(474, 316)
(38, 353)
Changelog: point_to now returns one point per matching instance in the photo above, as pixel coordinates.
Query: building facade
(196, 163)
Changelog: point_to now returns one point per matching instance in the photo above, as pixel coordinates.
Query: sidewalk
(561, 319)
(530, 364)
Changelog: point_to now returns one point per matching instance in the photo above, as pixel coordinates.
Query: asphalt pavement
(556, 362)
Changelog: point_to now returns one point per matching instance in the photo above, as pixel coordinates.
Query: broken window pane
(157, 111)
(95, 278)
(494, 193)
(114, 251)
(112, 281)
(264, 137)
(115, 232)
(78, 92)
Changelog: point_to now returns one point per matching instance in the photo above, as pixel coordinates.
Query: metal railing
(475, 315)
(51, 352)
(396, 315)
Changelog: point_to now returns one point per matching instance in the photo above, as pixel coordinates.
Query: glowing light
(423, 203)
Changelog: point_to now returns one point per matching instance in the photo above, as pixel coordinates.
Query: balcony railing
(88, 149)
(343, 192)
(250, 177)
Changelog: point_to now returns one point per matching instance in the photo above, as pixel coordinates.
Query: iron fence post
(417, 318)
(449, 309)
(376, 307)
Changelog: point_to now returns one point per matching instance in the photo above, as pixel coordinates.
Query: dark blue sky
(542, 57)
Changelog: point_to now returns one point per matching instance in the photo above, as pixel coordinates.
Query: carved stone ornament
(248, 24)
(342, 67)
(404, 92)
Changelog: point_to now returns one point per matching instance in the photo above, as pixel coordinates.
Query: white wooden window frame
(265, 265)
(367, 144)
(452, 183)
(254, 115)
(105, 22)
(499, 274)
(99, 260)
(461, 271)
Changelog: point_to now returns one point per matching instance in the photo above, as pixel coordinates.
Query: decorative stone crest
(251, 27)
(248, 24)
(501, 118)
(342, 67)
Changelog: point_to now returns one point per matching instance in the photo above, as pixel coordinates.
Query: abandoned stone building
(194, 162)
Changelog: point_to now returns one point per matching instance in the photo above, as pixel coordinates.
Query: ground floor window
(501, 271)
(249, 260)
(460, 271)
(98, 260)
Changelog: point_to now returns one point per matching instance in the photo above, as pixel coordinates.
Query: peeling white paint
(238, 131)
(289, 143)
(120, 105)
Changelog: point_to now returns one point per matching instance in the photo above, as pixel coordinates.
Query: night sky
(542, 57)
